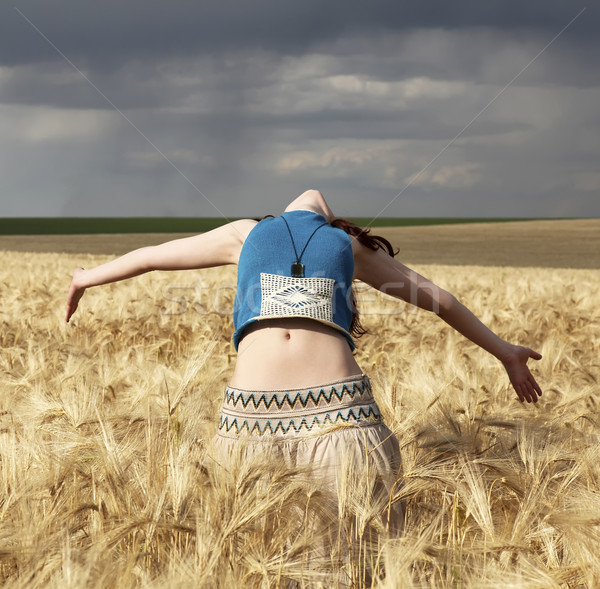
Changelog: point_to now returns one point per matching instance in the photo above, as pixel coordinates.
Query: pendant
(297, 270)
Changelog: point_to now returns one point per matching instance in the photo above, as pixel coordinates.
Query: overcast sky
(431, 108)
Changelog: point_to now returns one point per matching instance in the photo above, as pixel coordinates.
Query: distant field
(569, 243)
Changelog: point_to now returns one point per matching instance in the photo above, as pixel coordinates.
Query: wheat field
(107, 477)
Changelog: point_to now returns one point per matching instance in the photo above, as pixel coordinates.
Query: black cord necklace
(297, 270)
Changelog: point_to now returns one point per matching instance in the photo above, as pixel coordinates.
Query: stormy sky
(468, 108)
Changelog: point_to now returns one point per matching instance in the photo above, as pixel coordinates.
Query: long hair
(373, 242)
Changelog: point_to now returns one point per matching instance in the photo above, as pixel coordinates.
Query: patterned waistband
(298, 411)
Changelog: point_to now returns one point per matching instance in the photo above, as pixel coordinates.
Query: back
(267, 287)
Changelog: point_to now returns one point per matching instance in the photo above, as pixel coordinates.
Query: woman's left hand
(522, 380)
(75, 293)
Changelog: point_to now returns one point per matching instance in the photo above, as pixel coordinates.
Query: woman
(296, 389)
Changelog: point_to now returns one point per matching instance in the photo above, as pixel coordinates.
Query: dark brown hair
(373, 242)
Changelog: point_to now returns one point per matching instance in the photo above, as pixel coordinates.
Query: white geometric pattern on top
(284, 296)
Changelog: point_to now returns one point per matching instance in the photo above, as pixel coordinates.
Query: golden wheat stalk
(107, 477)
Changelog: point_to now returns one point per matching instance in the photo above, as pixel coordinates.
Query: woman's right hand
(75, 292)
(515, 363)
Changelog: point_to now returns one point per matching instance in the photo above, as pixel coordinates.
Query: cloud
(464, 175)
(49, 125)
(243, 105)
(108, 33)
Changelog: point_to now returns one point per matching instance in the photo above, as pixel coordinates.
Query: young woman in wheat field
(296, 393)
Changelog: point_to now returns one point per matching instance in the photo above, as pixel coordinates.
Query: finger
(519, 393)
(69, 312)
(527, 393)
(533, 395)
(71, 308)
(535, 355)
(535, 386)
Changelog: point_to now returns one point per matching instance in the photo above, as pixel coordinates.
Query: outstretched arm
(214, 248)
(391, 277)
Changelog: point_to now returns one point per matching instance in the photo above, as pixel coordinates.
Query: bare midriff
(277, 354)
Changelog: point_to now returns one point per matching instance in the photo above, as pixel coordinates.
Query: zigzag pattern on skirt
(293, 398)
(298, 411)
(307, 422)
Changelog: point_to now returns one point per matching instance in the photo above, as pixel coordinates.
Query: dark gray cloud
(188, 109)
(111, 31)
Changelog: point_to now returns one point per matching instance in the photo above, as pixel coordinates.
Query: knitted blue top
(266, 288)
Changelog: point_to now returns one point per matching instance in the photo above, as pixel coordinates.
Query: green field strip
(95, 225)
(422, 221)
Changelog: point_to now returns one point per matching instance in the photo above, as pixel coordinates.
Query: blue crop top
(266, 288)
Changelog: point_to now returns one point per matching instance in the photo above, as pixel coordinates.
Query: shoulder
(225, 242)
(375, 267)
(241, 228)
(238, 232)
(360, 251)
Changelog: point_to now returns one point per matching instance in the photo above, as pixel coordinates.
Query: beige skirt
(335, 430)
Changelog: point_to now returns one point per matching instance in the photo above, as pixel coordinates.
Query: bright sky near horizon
(431, 108)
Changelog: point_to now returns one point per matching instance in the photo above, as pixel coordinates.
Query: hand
(522, 380)
(75, 293)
